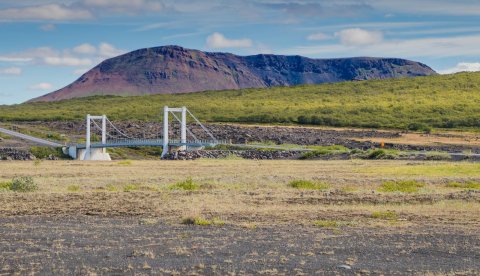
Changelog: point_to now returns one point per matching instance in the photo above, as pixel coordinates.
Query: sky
(47, 44)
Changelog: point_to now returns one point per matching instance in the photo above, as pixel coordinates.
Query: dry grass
(245, 192)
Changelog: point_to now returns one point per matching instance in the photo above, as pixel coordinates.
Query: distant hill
(173, 69)
(440, 101)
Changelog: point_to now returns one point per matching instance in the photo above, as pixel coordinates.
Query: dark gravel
(113, 246)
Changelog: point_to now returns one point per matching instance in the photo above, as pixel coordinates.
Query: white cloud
(67, 61)
(108, 50)
(80, 56)
(48, 27)
(218, 40)
(41, 86)
(318, 37)
(462, 67)
(359, 37)
(45, 12)
(85, 48)
(11, 71)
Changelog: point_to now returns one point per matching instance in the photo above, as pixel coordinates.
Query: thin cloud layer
(318, 37)
(16, 71)
(43, 86)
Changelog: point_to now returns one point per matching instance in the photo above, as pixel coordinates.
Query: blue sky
(47, 44)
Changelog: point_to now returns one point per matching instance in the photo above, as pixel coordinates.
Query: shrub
(23, 184)
(187, 185)
(45, 152)
(409, 186)
(308, 185)
(469, 185)
(376, 154)
(388, 215)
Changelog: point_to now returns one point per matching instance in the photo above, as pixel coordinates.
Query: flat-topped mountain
(173, 69)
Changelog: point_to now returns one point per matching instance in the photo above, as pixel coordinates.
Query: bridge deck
(150, 143)
(39, 141)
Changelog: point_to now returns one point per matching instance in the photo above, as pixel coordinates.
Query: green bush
(23, 184)
(376, 154)
(408, 186)
(308, 185)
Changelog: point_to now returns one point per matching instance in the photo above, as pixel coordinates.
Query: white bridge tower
(183, 127)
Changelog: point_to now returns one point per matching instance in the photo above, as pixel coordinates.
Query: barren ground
(125, 217)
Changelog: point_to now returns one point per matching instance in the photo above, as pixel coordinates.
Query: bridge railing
(154, 142)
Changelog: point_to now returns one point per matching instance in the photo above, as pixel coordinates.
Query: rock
(346, 267)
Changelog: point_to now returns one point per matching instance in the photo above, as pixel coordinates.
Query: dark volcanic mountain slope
(173, 69)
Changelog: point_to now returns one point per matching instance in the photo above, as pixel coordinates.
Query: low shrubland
(415, 104)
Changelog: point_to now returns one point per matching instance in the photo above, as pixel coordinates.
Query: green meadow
(441, 101)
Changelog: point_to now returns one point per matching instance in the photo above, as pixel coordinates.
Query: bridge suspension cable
(188, 130)
(118, 131)
(203, 127)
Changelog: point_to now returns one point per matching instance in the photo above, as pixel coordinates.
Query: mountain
(173, 69)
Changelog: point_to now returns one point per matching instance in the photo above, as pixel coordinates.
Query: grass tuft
(387, 215)
(326, 223)
(202, 221)
(73, 188)
(408, 186)
(469, 185)
(186, 185)
(308, 185)
(5, 186)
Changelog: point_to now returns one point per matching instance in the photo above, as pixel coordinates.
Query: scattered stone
(245, 154)
(15, 154)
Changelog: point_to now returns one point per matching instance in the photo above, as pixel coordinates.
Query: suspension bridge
(112, 137)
